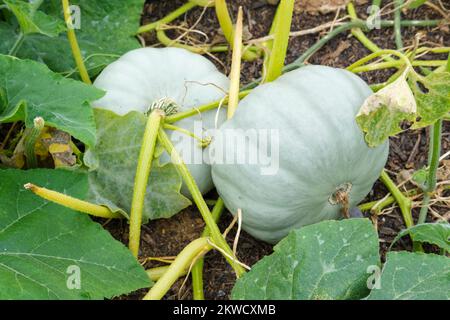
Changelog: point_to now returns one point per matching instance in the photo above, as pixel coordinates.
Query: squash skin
(321, 148)
(142, 76)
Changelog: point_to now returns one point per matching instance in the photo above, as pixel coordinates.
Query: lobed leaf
(42, 244)
(434, 233)
(414, 276)
(327, 260)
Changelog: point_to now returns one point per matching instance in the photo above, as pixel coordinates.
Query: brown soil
(408, 150)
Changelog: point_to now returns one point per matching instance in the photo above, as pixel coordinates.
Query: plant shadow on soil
(167, 237)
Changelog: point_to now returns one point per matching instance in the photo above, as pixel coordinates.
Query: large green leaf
(43, 245)
(327, 260)
(35, 21)
(113, 164)
(434, 233)
(32, 90)
(107, 30)
(414, 276)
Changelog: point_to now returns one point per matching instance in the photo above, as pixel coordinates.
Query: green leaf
(382, 113)
(434, 233)
(33, 90)
(108, 30)
(43, 244)
(327, 260)
(113, 164)
(35, 21)
(381, 124)
(435, 103)
(414, 276)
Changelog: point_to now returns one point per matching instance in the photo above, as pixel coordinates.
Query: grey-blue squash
(321, 152)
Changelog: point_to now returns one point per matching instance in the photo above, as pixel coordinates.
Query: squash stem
(359, 34)
(168, 18)
(235, 73)
(198, 199)
(203, 142)
(206, 107)
(281, 39)
(30, 141)
(141, 179)
(72, 203)
(197, 269)
(177, 268)
(156, 273)
(433, 162)
(378, 205)
(398, 64)
(403, 202)
(76, 52)
(226, 25)
(202, 49)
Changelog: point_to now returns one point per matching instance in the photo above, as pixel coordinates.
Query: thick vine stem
(76, 52)
(235, 74)
(226, 24)
(433, 162)
(72, 203)
(212, 105)
(31, 139)
(156, 273)
(168, 18)
(197, 269)
(403, 202)
(199, 201)
(202, 49)
(358, 33)
(281, 32)
(141, 179)
(178, 268)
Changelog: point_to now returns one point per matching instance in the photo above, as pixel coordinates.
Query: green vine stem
(376, 5)
(76, 52)
(212, 105)
(156, 273)
(235, 74)
(202, 142)
(403, 202)
(358, 33)
(379, 205)
(202, 49)
(199, 201)
(433, 163)
(447, 68)
(141, 179)
(226, 24)
(197, 269)
(168, 18)
(30, 141)
(374, 55)
(177, 268)
(72, 203)
(397, 64)
(17, 44)
(281, 39)
(397, 24)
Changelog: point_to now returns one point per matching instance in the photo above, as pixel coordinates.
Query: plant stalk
(141, 179)
(433, 162)
(403, 202)
(235, 74)
(30, 141)
(197, 269)
(76, 52)
(177, 268)
(72, 203)
(198, 199)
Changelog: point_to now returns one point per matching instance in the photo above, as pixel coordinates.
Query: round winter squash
(321, 164)
(143, 76)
